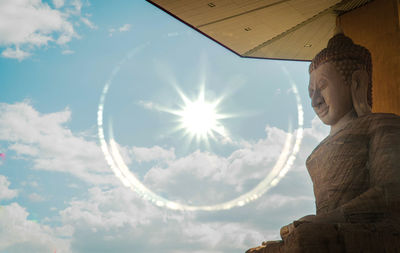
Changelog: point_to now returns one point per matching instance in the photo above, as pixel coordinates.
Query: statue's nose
(316, 99)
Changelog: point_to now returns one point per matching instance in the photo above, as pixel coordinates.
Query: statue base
(332, 238)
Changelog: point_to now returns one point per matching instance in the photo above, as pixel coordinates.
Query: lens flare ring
(122, 172)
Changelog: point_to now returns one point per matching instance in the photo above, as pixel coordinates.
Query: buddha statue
(355, 170)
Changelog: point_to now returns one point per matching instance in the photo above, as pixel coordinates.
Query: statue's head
(341, 80)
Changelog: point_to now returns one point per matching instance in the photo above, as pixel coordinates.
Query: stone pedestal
(334, 238)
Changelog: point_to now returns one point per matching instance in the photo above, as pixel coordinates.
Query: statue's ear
(359, 92)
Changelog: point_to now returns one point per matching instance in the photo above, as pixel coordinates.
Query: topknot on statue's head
(341, 47)
(347, 57)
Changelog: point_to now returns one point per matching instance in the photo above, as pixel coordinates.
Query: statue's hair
(347, 57)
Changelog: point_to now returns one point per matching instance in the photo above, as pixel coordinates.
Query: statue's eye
(322, 84)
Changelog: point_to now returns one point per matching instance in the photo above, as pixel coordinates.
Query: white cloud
(88, 23)
(34, 197)
(106, 209)
(154, 153)
(50, 144)
(19, 234)
(23, 149)
(30, 183)
(77, 4)
(149, 105)
(15, 53)
(278, 201)
(72, 185)
(124, 28)
(34, 184)
(218, 235)
(67, 52)
(318, 130)
(312, 136)
(111, 31)
(58, 3)
(30, 24)
(5, 192)
(116, 219)
(208, 177)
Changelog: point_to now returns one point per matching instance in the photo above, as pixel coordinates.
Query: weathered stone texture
(358, 169)
(334, 238)
(356, 173)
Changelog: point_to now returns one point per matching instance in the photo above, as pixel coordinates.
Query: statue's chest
(339, 169)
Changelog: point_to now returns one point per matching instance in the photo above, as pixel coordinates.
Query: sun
(200, 118)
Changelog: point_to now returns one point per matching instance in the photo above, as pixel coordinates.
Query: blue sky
(57, 192)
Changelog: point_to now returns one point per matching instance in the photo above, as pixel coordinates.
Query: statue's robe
(356, 174)
(357, 170)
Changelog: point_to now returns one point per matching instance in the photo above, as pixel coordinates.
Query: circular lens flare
(205, 112)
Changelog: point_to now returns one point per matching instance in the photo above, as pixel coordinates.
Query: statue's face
(330, 96)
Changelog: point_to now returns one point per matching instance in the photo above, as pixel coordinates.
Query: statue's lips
(322, 112)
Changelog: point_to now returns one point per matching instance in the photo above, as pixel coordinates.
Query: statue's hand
(286, 230)
(269, 246)
(258, 249)
(333, 217)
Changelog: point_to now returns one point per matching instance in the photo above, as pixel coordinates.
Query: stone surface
(333, 238)
(358, 169)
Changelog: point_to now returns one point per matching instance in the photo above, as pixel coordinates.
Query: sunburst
(200, 118)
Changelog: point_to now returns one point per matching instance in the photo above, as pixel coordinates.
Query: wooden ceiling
(272, 29)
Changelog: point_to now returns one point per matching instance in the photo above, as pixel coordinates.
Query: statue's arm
(383, 195)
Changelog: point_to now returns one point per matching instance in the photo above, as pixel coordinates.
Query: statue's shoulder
(382, 117)
(381, 121)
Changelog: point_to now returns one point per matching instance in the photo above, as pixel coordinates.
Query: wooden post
(376, 26)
